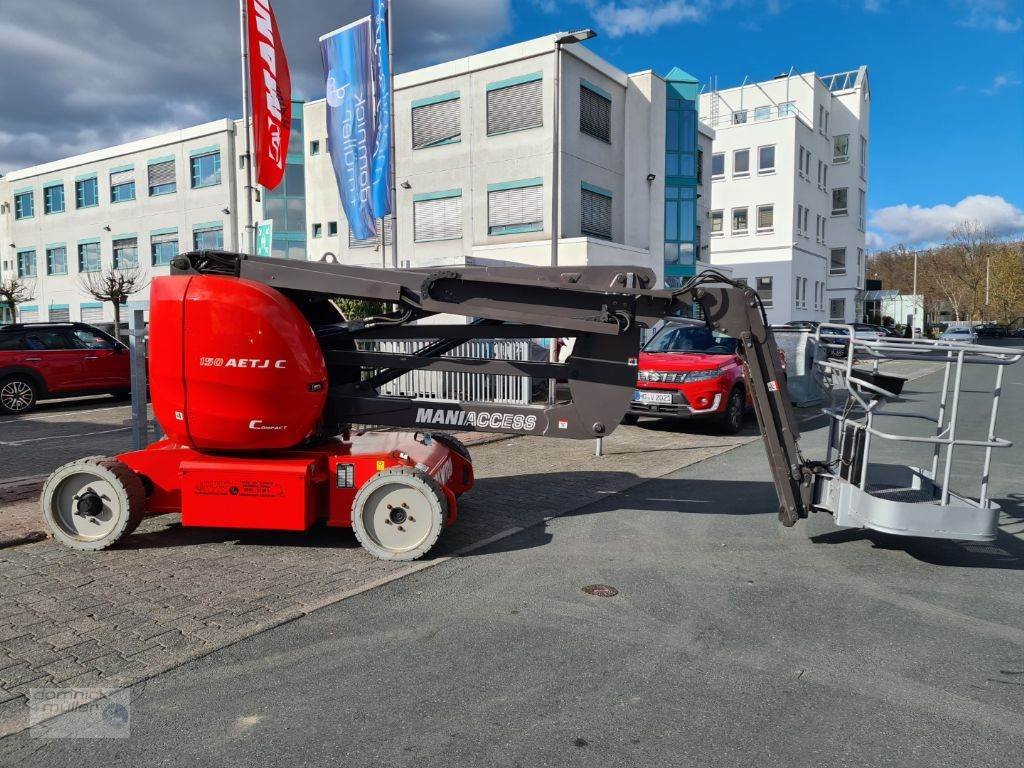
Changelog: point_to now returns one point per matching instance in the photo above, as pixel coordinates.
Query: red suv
(40, 361)
(689, 371)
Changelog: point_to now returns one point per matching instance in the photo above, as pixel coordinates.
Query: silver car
(963, 335)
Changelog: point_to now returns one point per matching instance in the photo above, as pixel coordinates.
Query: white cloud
(874, 240)
(915, 224)
(1006, 80)
(991, 14)
(643, 17)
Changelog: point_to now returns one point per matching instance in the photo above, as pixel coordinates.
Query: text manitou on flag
(351, 122)
(271, 94)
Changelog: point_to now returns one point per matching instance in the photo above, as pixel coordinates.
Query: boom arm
(603, 308)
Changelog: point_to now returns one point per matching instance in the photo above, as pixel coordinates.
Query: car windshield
(691, 338)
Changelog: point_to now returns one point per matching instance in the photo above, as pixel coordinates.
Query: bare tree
(15, 290)
(115, 286)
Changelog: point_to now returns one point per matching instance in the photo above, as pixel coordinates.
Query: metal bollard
(137, 350)
(599, 446)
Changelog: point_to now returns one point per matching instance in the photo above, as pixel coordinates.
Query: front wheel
(732, 417)
(399, 514)
(17, 394)
(92, 503)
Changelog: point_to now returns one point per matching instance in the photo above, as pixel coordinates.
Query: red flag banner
(271, 88)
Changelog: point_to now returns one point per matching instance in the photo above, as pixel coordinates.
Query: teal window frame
(51, 264)
(88, 183)
(196, 173)
(119, 252)
(24, 205)
(85, 252)
(52, 201)
(514, 229)
(200, 231)
(122, 193)
(27, 263)
(162, 251)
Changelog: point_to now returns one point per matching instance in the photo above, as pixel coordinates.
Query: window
(208, 236)
(799, 219)
(824, 177)
(718, 165)
(819, 229)
(595, 112)
(807, 218)
(91, 312)
(680, 225)
(837, 261)
(803, 294)
(89, 256)
(824, 223)
(796, 293)
(53, 198)
(162, 180)
(57, 260)
(318, 230)
(716, 223)
(126, 253)
(821, 174)
(163, 246)
(765, 218)
(841, 148)
(515, 104)
(87, 192)
(374, 240)
(438, 216)
(741, 162)
(700, 166)
(800, 161)
(515, 207)
(739, 221)
(766, 159)
(596, 212)
(122, 184)
(821, 118)
(314, 147)
(205, 169)
(787, 108)
(840, 205)
(863, 158)
(860, 272)
(739, 117)
(24, 205)
(807, 164)
(26, 263)
(436, 121)
(860, 209)
(837, 310)
(61, 313)
(332, 228)
(763, 113)
(764, 290)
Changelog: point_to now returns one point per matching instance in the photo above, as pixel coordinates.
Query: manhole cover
(601, 590)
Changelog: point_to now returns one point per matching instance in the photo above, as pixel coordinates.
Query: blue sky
(947, 133)
(948, 103)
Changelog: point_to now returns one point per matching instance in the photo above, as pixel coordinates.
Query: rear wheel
(452, 443)
(92, 503)
(17, 394)
(399, 514)
(732, 417)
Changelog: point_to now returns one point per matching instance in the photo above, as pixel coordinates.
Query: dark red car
(687, 371)
(41, 361)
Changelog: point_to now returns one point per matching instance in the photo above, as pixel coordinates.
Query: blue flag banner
(351, 122)
(382, 72)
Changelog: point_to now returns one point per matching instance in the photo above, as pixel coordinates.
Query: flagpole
(394, 197)
(250, 233)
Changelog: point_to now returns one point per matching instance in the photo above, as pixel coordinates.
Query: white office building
(474, 164)
(789, 191)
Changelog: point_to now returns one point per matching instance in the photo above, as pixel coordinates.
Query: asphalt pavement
(730, 642)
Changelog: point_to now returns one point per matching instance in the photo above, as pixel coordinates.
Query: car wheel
(732, 417)
(17, 394)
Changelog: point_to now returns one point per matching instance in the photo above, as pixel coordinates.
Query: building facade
(789, 191)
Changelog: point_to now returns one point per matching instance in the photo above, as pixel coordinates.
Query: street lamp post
(562, 38)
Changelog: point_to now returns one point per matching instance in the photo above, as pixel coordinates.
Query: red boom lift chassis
(256, 380)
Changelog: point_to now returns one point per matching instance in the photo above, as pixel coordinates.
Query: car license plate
(652, 397)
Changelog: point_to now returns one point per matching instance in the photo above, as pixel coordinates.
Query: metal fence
(472, 387)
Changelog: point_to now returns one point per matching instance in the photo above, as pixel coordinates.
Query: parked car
(41, 361)
(963, 335)
(688, 370)
(888, 331)
(990, 331)
(811, 325)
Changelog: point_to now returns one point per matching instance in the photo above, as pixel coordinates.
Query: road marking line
(62, 437)
(62, 415)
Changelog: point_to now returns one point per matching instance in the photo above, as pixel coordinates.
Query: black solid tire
(731, 420)
(453, 443)
(128, 488)
(32, 391)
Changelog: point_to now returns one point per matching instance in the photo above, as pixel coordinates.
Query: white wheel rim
(397, 517)
(16, 395)
(65, 509)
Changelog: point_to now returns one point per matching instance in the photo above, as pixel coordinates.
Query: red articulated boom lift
(256, 378)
